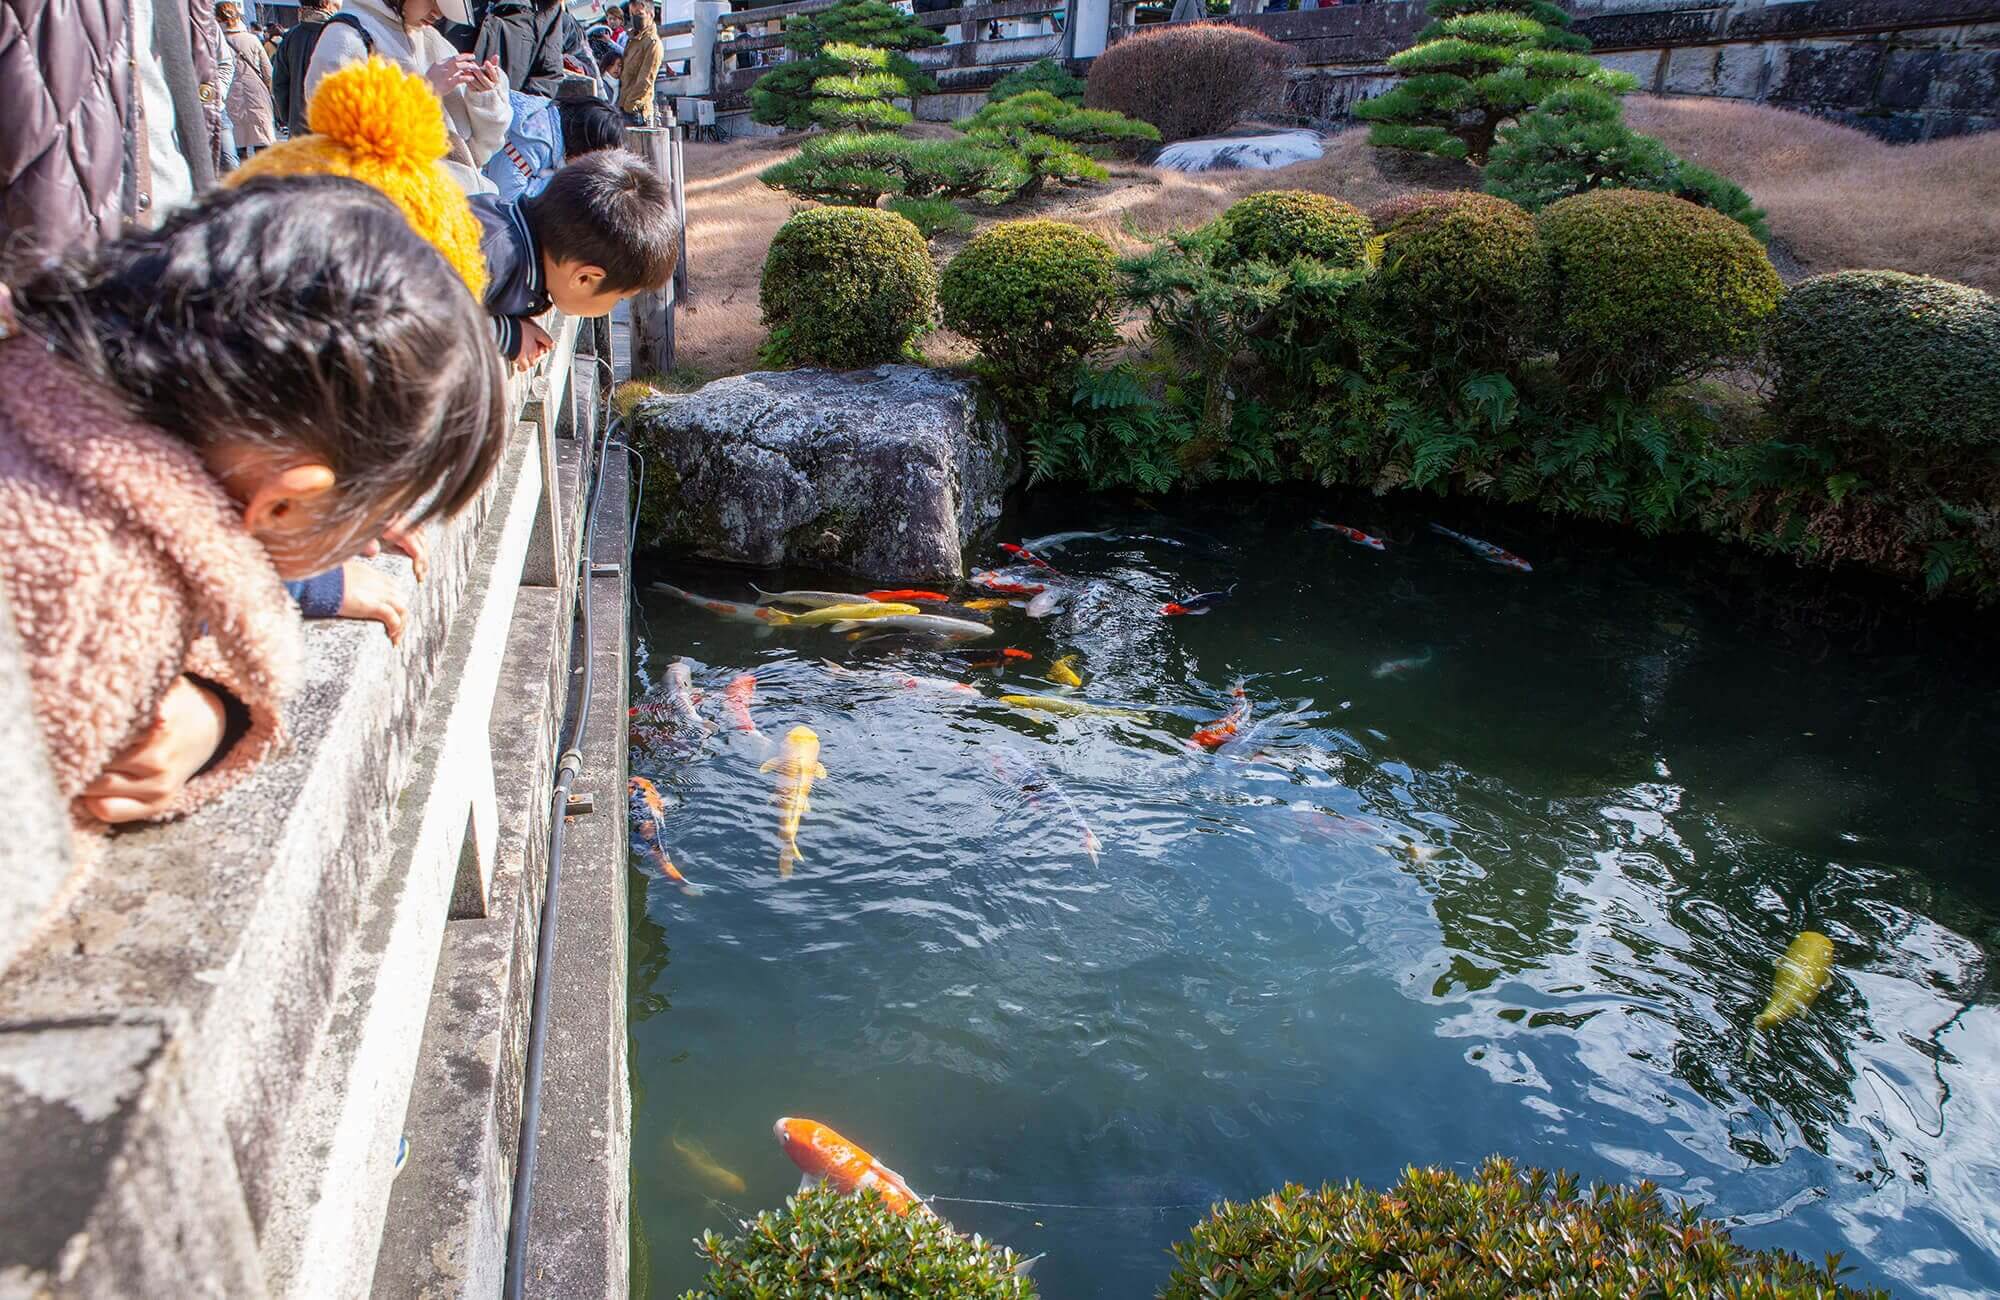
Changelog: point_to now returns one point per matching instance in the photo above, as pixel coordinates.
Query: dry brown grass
(1837, 198)
(1840, 199)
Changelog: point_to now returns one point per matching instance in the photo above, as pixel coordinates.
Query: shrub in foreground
(1890, 369)
(1389, 211)
(1578, 141)
(1279, 225)
(823, 1244)
(1038, 297)
(1497, 1233)
(846, 287)
(1190, 79)
(1043, 74)
(1650, 288)
(1468, 279)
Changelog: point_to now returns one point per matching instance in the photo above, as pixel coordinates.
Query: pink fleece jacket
(127, 565)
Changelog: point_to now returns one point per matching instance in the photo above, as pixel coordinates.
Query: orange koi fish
(737, 695)
(1220, 732)
(823, 1154)
(988, 602)
(909, 594)
(993, 658)
(648, 812)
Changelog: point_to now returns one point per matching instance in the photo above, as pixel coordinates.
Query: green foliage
(1039, 160)
(1479, 64)
(1578, 141)
(1498, 1233)
(1470, 280)
(1279, 225)
(822, 1243)
(1898, 375)
(1096, 131)
(1650, 288)
(1044, 75)
(1038, 297)
(846, 287)
(1190, 79)
(1111, 433)
(846, 67)
(932, 217)
(858, 169)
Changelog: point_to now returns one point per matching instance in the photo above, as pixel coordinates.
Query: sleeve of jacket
(281, 81)
(339, 45)
(490, 112)
(545, 68)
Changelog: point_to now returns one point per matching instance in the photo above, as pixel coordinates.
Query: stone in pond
(885, 473)
(1249, 152)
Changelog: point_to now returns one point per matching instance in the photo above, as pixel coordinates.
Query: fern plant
(1111, 433)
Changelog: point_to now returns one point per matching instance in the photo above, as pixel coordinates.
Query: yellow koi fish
(708, 1169)
(1803, 973)
(987, 602)
(797, 766)
(1063, 672)
(1062, 706)
(867, 609)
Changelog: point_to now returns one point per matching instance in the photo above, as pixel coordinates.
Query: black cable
(567, 767)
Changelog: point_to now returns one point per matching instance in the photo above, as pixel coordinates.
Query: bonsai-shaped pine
(1043, 74)
(791, 95)
(1479, 64)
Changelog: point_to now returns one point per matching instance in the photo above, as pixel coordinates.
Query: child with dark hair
(548, 133)
(188, 418)
(602, 230)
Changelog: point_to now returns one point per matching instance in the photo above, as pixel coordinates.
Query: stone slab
(1691, 70)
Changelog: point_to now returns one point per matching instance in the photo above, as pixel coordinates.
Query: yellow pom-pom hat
(383, 126)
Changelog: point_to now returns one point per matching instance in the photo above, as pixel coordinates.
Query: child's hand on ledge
(535, 343)
(411, 543)
(142, 781)
(369, 593)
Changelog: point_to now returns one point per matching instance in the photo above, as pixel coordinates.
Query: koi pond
(1481, 860)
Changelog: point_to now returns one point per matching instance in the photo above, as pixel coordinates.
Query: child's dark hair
(609, 209)
(589, 125)
(300, 314)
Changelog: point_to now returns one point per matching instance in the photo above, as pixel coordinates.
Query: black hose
(567, 767)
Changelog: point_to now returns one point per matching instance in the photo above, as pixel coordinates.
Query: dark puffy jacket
(288, 71)
(67, 96)
(528, 41)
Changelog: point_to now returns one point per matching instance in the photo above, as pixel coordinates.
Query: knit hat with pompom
(385, 127)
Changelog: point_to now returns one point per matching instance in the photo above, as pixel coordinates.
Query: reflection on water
(1524, 892)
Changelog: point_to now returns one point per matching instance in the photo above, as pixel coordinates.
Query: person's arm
(281, 86)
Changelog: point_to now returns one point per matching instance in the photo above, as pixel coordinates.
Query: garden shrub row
(1457, 343)
(1495, 1233)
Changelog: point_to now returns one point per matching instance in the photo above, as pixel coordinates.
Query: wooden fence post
(653, 312)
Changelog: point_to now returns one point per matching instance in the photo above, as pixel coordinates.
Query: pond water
(1500, 862)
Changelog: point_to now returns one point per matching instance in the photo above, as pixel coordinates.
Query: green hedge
(823, 1244)
(1468, 278)
(846, 287)
(1890, 369)
(1043, 74)
(1038, 297)
(1496, 1234)
(1279, 225)
(1650, 288)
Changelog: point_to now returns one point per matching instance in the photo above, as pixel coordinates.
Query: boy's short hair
(609, 209)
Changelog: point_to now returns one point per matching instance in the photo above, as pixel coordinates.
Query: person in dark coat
(526, 36)
(288, 68)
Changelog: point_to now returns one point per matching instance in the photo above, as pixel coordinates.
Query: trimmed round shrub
(824, 1244)
(1279, 225)
(1495, 1234)
(1468, 277)
(1190, 79)
(1885, 366)
(1389, 211)
(846, 287)
(1650, 288)
(1038, 297)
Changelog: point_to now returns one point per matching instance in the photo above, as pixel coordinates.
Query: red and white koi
(1199, 604)
(1354, 535)
(1026, 776)
(1223, 730)
(1486, 551)
(742, 689)
(1023, 553)
(1003, 584)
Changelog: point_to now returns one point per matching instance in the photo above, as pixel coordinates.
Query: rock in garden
(885, 474)
(1249, 153)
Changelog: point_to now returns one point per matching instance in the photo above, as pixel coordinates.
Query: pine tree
(1479, 64)
(829, 82)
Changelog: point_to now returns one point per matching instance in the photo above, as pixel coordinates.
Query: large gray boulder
(885, 473)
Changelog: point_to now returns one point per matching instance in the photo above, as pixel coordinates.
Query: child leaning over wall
(191, 416)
